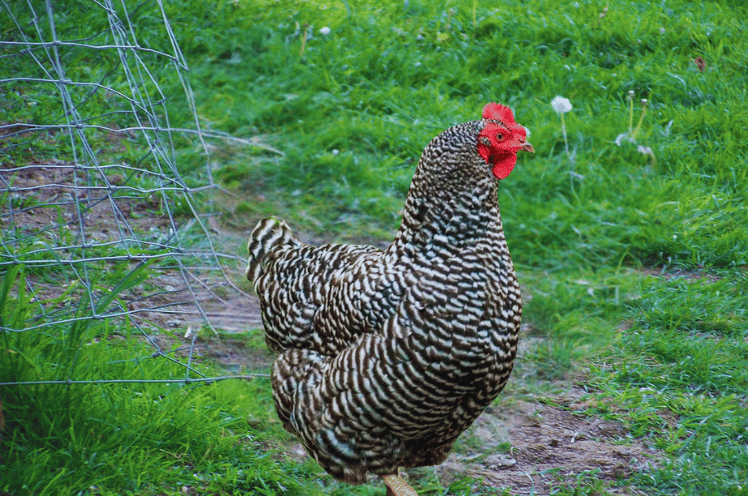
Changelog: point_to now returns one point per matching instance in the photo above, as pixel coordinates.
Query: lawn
(629, 231)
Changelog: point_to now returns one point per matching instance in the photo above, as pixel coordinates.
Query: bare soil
(550, 445)
(48, 197)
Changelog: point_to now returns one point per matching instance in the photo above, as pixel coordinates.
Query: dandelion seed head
(561, 105)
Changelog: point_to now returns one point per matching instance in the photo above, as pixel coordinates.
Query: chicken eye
(499, 137)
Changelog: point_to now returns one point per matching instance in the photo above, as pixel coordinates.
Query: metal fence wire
(100, 196)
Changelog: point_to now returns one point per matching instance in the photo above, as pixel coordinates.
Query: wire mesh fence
(104, 213)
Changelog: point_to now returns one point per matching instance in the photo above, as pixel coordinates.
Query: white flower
(561, 105)
(324, 31)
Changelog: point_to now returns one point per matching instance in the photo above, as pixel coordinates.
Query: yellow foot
(396, 486)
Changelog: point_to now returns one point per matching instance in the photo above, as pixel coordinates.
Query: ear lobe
(484, 149)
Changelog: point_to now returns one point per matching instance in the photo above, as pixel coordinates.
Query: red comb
(498, 112)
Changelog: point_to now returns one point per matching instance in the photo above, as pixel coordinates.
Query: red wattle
(504, 167)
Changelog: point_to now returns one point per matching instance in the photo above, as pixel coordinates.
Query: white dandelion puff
(561, 105)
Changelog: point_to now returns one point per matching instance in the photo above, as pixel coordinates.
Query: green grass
(636, 267)
(377, 91)
(141, 438)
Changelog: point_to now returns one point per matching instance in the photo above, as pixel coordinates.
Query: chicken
(386, 357)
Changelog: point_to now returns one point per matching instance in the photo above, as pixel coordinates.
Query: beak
(524, 145)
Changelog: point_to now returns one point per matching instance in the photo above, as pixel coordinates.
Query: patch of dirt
(678, 273)
(47, 197)
(228, 308)
(65, 208)
(549, 445)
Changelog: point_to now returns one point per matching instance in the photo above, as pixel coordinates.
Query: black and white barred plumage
(385, 357)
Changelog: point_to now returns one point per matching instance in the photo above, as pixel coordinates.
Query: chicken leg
(396, 486)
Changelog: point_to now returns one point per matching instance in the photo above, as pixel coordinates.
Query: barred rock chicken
(386, 357)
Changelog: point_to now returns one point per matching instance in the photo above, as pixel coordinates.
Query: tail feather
(268, 234)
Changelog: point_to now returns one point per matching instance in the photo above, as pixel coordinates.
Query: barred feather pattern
(386, 356)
